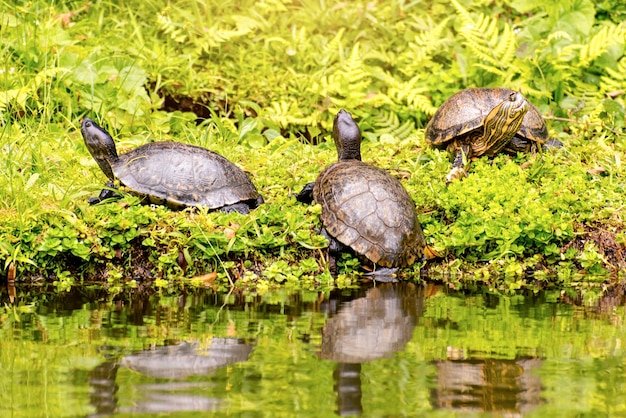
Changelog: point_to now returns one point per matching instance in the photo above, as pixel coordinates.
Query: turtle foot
(306, 194)
(108, 193)
(553, 144)
(456, 173)
(242, 208)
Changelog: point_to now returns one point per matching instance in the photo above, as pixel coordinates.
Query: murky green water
(391, 350)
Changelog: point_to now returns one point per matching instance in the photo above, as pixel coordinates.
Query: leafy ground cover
(259, 82)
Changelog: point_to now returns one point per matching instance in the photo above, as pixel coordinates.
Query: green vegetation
(259, 82)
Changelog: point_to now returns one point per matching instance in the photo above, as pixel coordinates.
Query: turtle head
(516, 106)
(503, 122)
(100, 145)
(347, 136)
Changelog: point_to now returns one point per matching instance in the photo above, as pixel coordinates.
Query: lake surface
(390, 350)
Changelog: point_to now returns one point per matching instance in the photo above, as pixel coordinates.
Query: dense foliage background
(260, 81)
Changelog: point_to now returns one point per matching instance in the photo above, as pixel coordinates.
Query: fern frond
(559, 35)
(387, 122)
(414, 93)
(466, 17)
(353, 68)
(334, 47)
(506, 45)
(614, 80)
(483, 39)
(185, 26)
(289, 113)
(529, 91)
(601, 41)
(493, 70)
(218, 34)
(348, 85)
(590, 102)
(427, 42)
(168, 27)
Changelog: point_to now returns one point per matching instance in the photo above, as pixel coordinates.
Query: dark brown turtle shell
(465, 112)
(176, 174)
(368, 210)
(184, 175)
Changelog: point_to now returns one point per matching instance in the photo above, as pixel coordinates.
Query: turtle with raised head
(364, 208)
(485, 121)
(171, 173)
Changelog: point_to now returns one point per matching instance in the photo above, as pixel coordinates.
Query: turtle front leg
(306, 194)
(107, 193)
(461, 162)
(240, 207)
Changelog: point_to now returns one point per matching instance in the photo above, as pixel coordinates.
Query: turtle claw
(456, 173)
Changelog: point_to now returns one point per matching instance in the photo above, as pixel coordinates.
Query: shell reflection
(186, 359)
(488, 385)
(369, 328)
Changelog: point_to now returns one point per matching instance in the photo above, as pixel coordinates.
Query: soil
(605, 240)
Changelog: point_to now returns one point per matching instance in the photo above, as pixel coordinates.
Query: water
(392, 350)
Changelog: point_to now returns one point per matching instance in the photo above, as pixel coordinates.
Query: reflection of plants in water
(61, 338)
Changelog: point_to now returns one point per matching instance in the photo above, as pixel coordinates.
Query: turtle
(486, 121)
(172, 173)
(364, 208)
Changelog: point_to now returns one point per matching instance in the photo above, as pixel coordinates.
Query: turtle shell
(465, 112)
(368, 210)
(184, 175)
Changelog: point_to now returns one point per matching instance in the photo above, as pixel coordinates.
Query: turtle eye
(512, 96)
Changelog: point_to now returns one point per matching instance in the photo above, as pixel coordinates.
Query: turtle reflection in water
(364, 208)
(173, 173)
(173, 363)
(488, 385)
(185, 359)
(485, 121)
(366, 329)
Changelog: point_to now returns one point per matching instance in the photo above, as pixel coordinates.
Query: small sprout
(160, 283)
